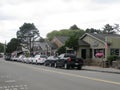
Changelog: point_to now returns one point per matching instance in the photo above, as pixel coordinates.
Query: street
(21, 76)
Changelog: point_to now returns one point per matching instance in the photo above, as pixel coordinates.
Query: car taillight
(69, 59)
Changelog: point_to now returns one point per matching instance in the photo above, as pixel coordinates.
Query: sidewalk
(100, 69)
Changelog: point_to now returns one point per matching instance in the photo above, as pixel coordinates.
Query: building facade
(95, 48)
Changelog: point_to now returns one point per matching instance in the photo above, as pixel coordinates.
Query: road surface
(21, 76)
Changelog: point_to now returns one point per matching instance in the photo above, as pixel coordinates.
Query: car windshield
(42, 56)
(70, 55)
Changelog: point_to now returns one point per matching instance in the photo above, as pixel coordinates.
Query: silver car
(39, 59)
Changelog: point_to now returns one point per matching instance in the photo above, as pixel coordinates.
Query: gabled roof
(100, 36)
(62, 39)
(45, 44)
(52, 45)
(83, 43)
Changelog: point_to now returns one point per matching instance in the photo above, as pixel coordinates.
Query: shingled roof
(52, 45)
(101, 36)
(62, 39)
(83, 43)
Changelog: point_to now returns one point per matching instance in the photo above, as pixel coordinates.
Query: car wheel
(36, 62)
(55, 65)
(50, 65)
(45, 64)
(66, 66)
(79, 68)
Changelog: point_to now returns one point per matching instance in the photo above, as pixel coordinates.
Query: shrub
(112, 58)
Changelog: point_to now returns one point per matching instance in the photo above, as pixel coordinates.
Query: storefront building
(95, 48)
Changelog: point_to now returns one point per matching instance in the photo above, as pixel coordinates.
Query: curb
(104, 71)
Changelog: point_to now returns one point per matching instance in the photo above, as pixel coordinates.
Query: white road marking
(5, 86)
(7, 89)
(14, 87)
(22, 88)
(10, 81)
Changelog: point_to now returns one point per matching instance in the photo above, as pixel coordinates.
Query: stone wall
(99, 63)
(116, 64)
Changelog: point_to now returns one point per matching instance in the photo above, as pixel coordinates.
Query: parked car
(39, 59)
(25, 60)
(1, 55)
(69, 61)
(50, 61)
(7, 57)
(20, 58)
(14, 58)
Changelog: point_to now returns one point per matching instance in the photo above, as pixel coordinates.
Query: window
(114, 52)
(99, 51)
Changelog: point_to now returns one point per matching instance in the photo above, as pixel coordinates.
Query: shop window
(99, 53)
(114, 52)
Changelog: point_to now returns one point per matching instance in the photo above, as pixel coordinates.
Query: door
(83, 53)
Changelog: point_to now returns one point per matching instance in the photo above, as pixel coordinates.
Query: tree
(27, 30)
(72, 42)
(109, 29)
(52, 34)
(13, 45)
(92, 30)
(74, 27)
(61, 50)
(26, 34)
(1, 47)
(65, 32)
(116, 27)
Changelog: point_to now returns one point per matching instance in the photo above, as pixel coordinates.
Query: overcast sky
(49, 15)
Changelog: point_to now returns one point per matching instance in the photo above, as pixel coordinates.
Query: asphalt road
(21, 76)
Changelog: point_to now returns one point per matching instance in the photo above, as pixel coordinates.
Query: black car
(68, 61)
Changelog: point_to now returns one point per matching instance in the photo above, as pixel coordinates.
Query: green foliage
(27, 54)
(92, 30)
(112, 58)
(74, 33)
(52, 34)
(26, 34)
(116, 27)
(1, 47)
(65, 32)
(74, 27)
(61, 50)
(27, 30)
(26, 27)
(72, 42)
(13, 45)
(108, 29)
